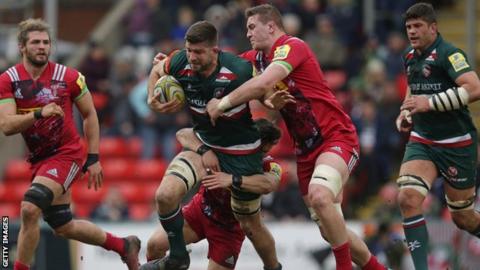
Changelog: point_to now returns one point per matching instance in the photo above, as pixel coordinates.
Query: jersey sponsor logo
(230, 260)
(458, 61)
(53, 172)
(276, 169)
(281, 52)
(81, 81)
(18, 93)
(425, 86)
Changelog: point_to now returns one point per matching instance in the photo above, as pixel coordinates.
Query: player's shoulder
(235, 63)
(176, 61)
(447, 49)
(62, 72)
(12, 73)
(250, 55)
(408, 53)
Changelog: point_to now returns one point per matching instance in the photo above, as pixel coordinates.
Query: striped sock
(417, 240)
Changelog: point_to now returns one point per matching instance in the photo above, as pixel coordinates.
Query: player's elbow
(6, 129)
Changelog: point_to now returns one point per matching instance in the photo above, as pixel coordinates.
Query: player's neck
(34, 71)
(273, 40)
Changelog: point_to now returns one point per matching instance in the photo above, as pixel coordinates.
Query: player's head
(263, 22)
(34, 41)
(201, 45)
(421, 24)
(269, 134)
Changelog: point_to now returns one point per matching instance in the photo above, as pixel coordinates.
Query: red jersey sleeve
(291, 54)
(76, 84)
(6, 93)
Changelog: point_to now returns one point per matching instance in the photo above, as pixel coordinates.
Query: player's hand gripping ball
(168, 88)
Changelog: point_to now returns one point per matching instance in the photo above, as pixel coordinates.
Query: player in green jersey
(206, 72)
(443, 139)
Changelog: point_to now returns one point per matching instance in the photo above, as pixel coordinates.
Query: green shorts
(456, 165)
(243, 165)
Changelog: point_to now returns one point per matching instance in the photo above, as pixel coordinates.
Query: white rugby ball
(168, 88)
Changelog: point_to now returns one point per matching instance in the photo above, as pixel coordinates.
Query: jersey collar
(434, 45)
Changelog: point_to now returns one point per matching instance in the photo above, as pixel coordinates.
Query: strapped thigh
(329, 177)
(57, 215)
(460, 205)
(183, 169)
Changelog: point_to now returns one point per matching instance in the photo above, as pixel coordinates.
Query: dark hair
(31, 25)
(266, 14)
(202, 31)
(423, 11)
(269, 133)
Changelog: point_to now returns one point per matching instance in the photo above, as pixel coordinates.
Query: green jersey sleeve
(456, 63)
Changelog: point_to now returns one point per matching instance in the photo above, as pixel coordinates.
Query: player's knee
(462, 222)
(320, 198)
(413, 190)
(58, 217)
(325, 185)
(30, 213)
(39, 195)
(248, 224)
(166, 197)
(65, 230)
(156, 248)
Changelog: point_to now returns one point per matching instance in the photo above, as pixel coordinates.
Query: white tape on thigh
(184, 170)
(329, 177)
(455, 206)
(413, 182)
(245, 207)
(315, 217)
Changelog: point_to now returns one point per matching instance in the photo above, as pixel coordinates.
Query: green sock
(417, 240)
(173, 225)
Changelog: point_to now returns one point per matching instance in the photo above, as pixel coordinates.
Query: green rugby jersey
(431, 72)
(234, 132)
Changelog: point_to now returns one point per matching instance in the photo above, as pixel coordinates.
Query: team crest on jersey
(281, 52)
(452, 172)
(218, 92)
(458, 61)
(426, 70)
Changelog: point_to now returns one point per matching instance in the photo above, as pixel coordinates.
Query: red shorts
(223, 244)
(63, 169)
(306, 163)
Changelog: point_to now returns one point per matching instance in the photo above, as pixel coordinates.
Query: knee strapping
(461, 205)
(184, 170)
(329, 177)
(58, 215)
(413, 182)
(40, 195)
(315, 217)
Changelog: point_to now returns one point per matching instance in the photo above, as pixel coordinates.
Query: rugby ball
(168, 88)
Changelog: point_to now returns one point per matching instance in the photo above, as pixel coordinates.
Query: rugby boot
(167, 263)
(132, 247)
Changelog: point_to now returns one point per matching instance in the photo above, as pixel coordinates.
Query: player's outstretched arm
(12, 123)
(186, 137)
(257, 183)
(92, 133)
(255, 88)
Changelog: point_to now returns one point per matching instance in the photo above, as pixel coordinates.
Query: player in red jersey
(36, 100)
(209, 214)
(326, 140)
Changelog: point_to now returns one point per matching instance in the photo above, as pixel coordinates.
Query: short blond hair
(31, 25)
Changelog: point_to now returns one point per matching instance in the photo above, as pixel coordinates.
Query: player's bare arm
(468, 91)
(257, 183)
(255, 88)
(186, 137)
(404, 119)
(152, 101)
(12, 123)
(92, 133)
